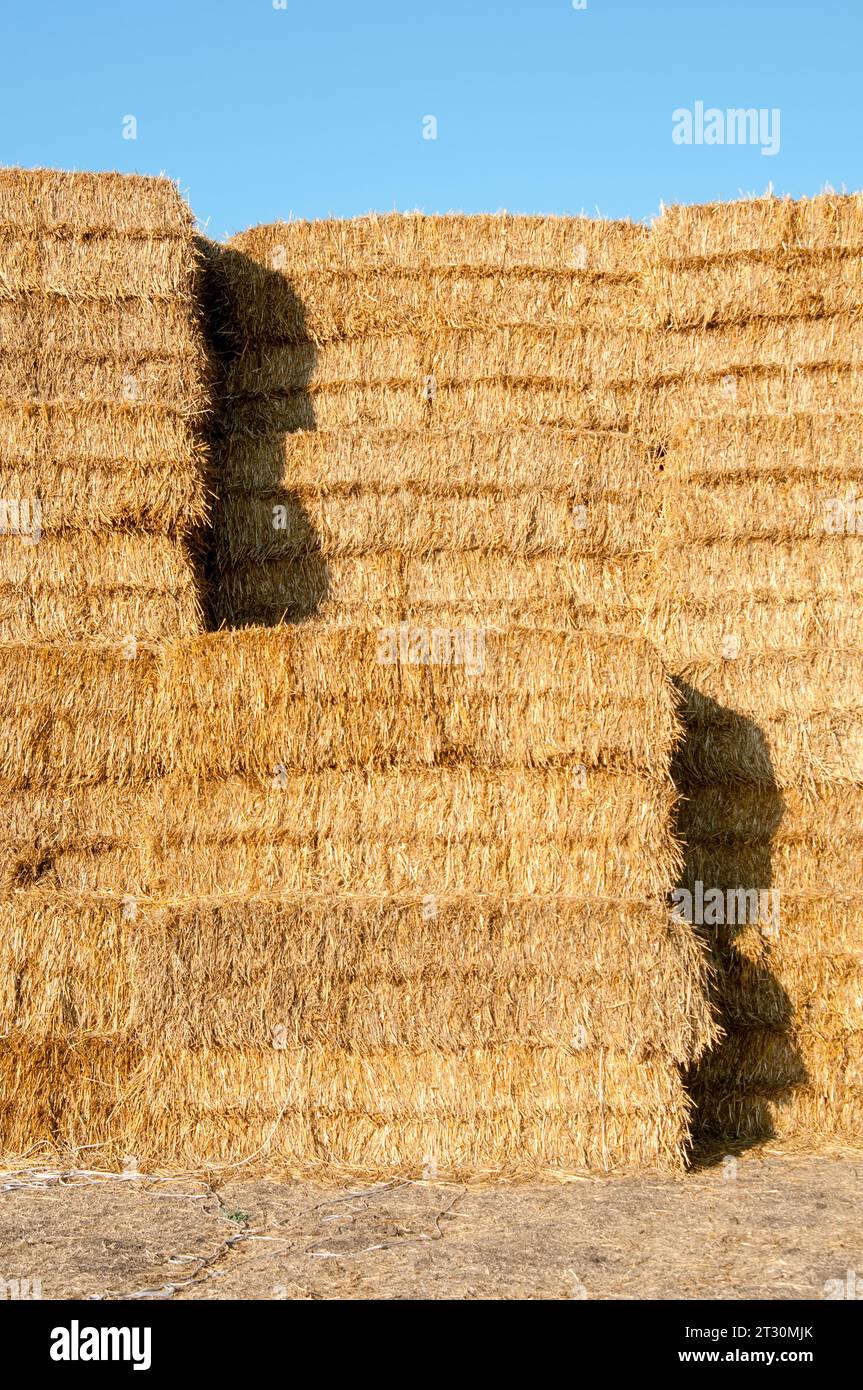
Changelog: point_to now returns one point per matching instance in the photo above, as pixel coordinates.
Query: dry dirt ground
(778, 1226)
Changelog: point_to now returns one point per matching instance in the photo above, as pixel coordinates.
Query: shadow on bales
(727, 828)
(262, 564)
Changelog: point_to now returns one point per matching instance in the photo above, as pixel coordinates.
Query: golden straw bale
(529, 523)
(777, 446)
(354, 972)
(332, 306)
(440, 461)
(826, 222)
(104, 372)
(168, 380)
(320, 1109)
(450, 829)
(259, 699)
(75, 714)
(67, 432)
(92, 495)
(443, 354)
(415, 242)
(764, 257)
(92, 204)
(760, 285)
(119, 329)
(511, 401)
(836, 341)
(494, 591)
(114, 585)
(660, 406)
(80, 267)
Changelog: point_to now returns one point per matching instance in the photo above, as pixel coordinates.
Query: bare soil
(777, 1225)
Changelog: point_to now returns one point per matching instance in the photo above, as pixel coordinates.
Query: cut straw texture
(103, 384)
(757, 309)
(408, 389)
(430, 927)
(380, 883)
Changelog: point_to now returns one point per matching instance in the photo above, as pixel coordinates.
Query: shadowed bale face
(730, 898)
(264, 564)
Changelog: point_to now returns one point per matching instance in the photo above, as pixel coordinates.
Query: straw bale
(485, 1110)
(354, 972)
(446, 462)
(778, 750)
(77, 266)
(836, 341)
(746, 508)
(510, 402)
(829, 221)
(776, 1058)
(258, 699)
(771, 446)
(770, 985)
(121, 329)
(769, 684)
(492, 590)
(338, 305)
(725, 815)
(659, 406)
(758, 258)
(447, 355)
(169, 380)
(414, 243)
(529, 523)
(698, 630)
(706, 577)
(95, 496)
(74, 714)
(759, 1113)
(759, 286)
(71, 968)
(321, 1110)
(451, 829)
(130, 436)
(114, 585)
(57, 1098)
(91, 204)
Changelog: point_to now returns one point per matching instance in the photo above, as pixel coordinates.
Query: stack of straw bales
(101, 382)
(434, 403)
(386, 891)
(375, 916)
(758, 313)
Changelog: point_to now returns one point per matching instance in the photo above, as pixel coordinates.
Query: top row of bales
(103, 388)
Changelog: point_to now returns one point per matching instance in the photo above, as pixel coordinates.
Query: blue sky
(317, 109)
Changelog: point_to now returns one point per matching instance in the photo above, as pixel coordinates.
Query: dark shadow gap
(727, 828)
(259, 561)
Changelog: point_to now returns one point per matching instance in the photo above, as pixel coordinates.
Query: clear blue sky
(317, 109)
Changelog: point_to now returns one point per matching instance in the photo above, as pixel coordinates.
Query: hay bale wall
(324, 896)
(102, 383)
(386, 891)
(434, 403)
(757, 310)
(366, 917)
